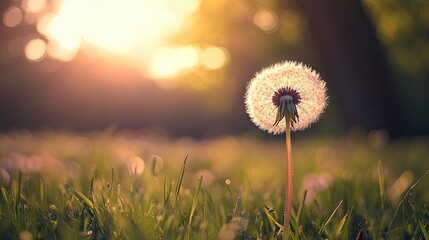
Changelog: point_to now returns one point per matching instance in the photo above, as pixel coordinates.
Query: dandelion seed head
(286, 79)
(228, 181)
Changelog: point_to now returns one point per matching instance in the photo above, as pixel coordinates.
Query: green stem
(289, 184)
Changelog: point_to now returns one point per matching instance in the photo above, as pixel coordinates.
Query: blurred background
(181, 66)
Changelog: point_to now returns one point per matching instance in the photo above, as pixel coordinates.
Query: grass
(58, 186)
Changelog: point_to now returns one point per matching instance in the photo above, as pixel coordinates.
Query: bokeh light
(4, 177)
(135, 165)
(135, 30)
(157, 163)
(35, 49)
(169, 62)
(214, 57)
(34, 6)
(12, 17)
(267, 21)
(140, 34)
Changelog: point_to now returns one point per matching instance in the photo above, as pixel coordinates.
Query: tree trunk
(355, 64)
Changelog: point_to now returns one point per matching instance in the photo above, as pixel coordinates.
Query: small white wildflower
(287, 89)
(228, 181)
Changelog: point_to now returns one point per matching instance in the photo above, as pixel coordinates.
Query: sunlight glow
(171, 61)
(135, 29)
(65, 52)
(141, 34)
(35, 49)
(214, 57)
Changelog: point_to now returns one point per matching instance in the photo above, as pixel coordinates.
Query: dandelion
(286, 88)
(289, 91)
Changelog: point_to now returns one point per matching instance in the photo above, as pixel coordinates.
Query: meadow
(145, 185)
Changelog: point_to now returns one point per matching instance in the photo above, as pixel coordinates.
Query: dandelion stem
(289, 184)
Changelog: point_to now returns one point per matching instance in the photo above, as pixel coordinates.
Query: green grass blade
(403, 199)
(113, 189)
(193, 206)
(153, 166)
(205, 206)
(81, 197)
(323, 228)
(5, 196)
(301, 207)
(91, 186)
(112, 176)
(237, 208)
(18, 194)
(167, 190)
(90, 206)
(294, 226)
(42, 192)
(424, 231)
(179, 181)
(381, 183)
(270, 217)
(341, 225)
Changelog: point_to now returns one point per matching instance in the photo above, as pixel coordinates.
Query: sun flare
(116, 26)
(139, 31)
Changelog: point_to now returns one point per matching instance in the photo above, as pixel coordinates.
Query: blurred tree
(355, 64)
(403, 28)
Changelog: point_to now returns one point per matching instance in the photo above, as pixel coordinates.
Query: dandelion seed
(287, 89)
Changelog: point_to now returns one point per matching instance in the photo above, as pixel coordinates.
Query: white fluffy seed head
(268, 81)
